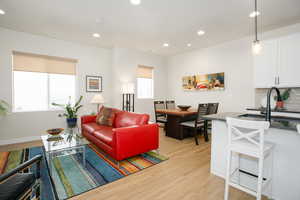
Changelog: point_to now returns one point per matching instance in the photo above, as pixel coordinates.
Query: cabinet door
(266, 64)
(289, 61)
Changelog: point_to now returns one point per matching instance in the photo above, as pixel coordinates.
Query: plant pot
(280, 104)
(72, 122)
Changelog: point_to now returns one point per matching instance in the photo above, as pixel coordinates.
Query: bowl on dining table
(183, 107)
(55, 131)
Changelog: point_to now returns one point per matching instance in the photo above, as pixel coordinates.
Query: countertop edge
(223, 116)
(274, 110)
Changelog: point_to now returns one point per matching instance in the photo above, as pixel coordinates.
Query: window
(41, 80)
(145, 82)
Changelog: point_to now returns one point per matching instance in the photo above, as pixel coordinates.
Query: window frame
(48, 96)
(137, 91)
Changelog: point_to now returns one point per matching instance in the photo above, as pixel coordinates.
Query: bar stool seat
(246, 137)
(244, 147)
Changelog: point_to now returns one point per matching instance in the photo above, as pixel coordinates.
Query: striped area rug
(70, 178)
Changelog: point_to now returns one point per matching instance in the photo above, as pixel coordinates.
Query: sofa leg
(157, 151)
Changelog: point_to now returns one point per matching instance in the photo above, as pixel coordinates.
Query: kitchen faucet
(268, 109)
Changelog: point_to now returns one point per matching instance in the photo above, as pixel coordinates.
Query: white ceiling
(147, 26)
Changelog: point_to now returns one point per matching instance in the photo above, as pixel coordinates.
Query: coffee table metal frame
(64, 147)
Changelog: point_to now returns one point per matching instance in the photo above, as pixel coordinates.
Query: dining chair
(21, 186)
(160, 118)
(198, 123)
(212, 109)
(170, 104)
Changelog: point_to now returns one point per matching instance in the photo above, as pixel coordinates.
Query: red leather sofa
(130, 134)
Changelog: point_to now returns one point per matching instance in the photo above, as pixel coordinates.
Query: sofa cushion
(125, 119)
(106, 116)
(105, 134)
(91, 127)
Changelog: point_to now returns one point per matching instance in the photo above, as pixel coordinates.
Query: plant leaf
(78, 102)
(77, 108)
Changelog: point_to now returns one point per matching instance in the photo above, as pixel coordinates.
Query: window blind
(29, 62)
(144, 72)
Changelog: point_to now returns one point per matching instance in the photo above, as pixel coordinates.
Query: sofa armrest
(134, 140)
(88, 119)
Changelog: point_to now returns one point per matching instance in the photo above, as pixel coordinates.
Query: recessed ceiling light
(189, 45)
(2, 12)
(135, 2)
(201, 32)
(96, 35)
(254, 14)
(165, 44)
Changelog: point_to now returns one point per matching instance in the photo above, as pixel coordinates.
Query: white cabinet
(289, 61)
(278, 64)
(266, 64)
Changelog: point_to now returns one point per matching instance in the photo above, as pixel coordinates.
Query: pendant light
(256, 45)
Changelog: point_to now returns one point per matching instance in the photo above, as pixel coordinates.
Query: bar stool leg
(260, 177)
(271, 174)
(226, 194)
(239, 167)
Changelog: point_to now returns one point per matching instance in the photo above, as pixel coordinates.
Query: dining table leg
(173, 128)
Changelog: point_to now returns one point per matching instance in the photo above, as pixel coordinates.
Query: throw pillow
(106, 116)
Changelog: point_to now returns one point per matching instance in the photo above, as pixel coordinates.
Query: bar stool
(247, 138)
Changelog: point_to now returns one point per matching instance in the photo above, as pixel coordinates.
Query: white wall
(125, 62)
(234, 58)
(118, 66)
(91, 61)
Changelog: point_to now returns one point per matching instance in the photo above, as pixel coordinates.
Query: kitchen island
(286, 164)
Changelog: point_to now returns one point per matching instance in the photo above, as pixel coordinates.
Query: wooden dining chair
(212, 109)
(198, 124)
(160, 118)
(170, 104)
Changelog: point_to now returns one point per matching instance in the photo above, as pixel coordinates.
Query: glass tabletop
(68, 139)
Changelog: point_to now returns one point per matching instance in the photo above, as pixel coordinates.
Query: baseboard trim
(19, 140)
(216, 173)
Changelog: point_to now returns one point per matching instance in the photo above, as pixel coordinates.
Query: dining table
(174, 118)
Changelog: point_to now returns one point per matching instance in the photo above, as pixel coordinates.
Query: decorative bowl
(183, 107)
(55, 131)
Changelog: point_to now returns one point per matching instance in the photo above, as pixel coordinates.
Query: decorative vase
(72, 122)
(280, 104)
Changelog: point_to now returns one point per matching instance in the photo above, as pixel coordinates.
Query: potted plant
(3, 107)
(70, 112)
(285, 96)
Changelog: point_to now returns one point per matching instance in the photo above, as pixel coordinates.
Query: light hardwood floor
(185, 176)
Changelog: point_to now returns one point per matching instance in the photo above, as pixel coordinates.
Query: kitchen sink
(252, 117)
(276, 121)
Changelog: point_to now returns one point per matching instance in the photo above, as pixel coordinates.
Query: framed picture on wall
(93, 83)
(204, 82)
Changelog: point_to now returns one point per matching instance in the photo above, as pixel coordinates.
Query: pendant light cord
(255, 20)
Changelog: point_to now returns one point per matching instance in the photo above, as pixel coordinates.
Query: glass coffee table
(69, 142)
